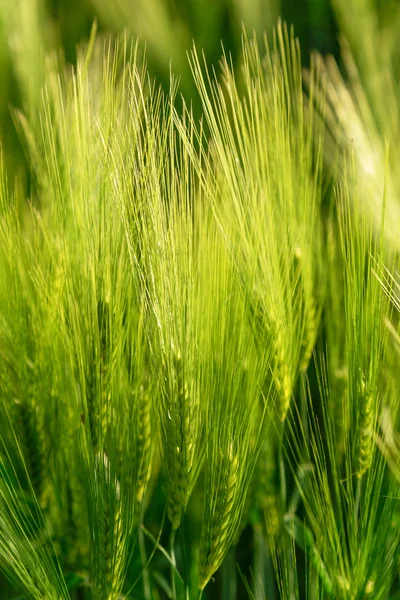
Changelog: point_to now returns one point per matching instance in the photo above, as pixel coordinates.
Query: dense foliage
(199, 309)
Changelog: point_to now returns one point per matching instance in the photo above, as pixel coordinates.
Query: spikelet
(112, 547)
(110, 555)
(97, 408)
(144, 443)
(179, 443)
(284, 381)
(97, 397)
(282, 374)
(310, 311)
(336, 339)
(367, 427)
(251, 503)
(340, 414)
(263, 494)
(91, 393)
(281, 367)
(267, 489)
(310, 331)
(216, 530)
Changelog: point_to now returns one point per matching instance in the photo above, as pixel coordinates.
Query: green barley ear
(236, 411)
(27, 556)
(216, 535)
(180, 400)
(335, 494)
(267, 491)
(265, 189)
(349, 475)
(334, 316)
(30, 375)
(90, 144)
(366, 309)
(144, 441)
(168, 258)
(27, 372)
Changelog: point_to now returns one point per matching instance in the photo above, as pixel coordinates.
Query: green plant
(192, 404)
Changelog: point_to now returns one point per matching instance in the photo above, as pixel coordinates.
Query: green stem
(143, 558)
(185, 565)
(173, 560)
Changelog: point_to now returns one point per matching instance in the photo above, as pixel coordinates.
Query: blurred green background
(30, 29)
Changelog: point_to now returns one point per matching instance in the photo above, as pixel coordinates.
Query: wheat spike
(267, 489)
(367, 426)
(310, 319)
(110, 553)
(179, 444)
(144, 443)
(283, 377)
(216, 532)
